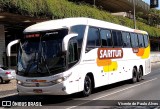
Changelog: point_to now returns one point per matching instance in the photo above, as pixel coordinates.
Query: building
(11, 28)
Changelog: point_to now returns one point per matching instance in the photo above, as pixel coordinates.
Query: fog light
(19, 82)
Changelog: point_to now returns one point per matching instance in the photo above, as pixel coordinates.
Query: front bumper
(57, 89)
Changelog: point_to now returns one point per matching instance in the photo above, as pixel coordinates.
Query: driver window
(73, 52)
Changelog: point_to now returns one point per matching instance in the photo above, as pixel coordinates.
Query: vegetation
(56, 9)
(154, 17)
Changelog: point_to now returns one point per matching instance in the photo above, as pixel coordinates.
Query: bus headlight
(59, 80)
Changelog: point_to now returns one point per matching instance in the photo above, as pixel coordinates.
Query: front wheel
(87, 86)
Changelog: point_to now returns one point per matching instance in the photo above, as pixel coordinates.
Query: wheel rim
(87, 86)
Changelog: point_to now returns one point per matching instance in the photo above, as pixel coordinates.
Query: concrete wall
(155, 57)
(2, 43)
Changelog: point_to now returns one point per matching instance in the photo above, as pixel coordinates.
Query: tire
(1, 80)
(134, 76)
(7, 81)
(139, 76)
(87, 86)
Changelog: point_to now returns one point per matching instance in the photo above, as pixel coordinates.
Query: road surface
(116, 96)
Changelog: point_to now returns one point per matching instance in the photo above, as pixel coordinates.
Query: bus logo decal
(105, 56)
(110, 53)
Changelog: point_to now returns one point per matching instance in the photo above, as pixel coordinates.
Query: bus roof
(68, 22)
(56, 24)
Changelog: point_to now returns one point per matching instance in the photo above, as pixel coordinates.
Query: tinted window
(134, 40)
(106, 37)
(79, 29)
(73, 52)
(93, 37)
(140, 40)
(145, 37)
(117, 38)
(126, 39)
(109, 39)
(103, 37)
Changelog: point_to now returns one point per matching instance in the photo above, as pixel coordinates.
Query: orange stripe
(103, 62)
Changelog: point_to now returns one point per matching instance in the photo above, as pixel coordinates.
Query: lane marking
(8, 95)
(113, 93)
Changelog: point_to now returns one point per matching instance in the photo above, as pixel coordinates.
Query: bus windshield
(41, 54)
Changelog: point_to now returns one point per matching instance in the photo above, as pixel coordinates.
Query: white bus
(70, 55)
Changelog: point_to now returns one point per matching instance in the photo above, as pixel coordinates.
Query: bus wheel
(87, 86)
(134, 75)
(139, 76)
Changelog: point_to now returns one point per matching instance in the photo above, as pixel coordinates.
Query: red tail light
(8, 73)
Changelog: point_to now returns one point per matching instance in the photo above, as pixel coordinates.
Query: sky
(148, 1)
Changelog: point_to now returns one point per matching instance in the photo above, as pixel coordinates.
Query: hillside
(56, 9)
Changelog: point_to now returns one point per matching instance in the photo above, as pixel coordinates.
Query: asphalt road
(121, 95)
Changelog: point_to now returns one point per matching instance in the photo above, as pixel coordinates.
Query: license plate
(37, 90)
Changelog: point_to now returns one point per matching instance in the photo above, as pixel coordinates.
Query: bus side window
(80, 30)
(126, 39)
(134, 40)
(103, 36)
(117, 38)
(146, 42)
(106, 37)
(109, 38)
(93, 38)
(140, 40)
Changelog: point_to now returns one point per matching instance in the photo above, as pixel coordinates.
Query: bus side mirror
(9, 50)
(66, 40)
(10, 45)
